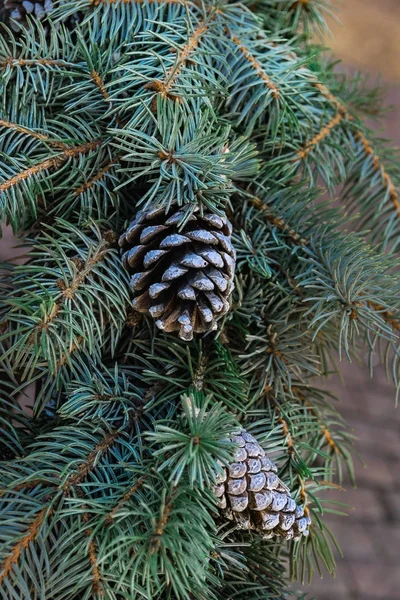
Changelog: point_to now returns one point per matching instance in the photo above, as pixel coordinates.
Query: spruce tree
(210, 225)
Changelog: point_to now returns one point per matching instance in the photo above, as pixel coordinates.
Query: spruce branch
(380, 168)
(259, 71)
(295, 17)
(67, 270)
(29, 537)
(320, 136)
(31, 62)
(101, 173)
(164, 87)
(35, 134)
(297, 239)
(85, 467)
(113, 513)
(98, 80)
(51, 163)
(366, 146)
(194, 447)
(96, 582)
(277, 221)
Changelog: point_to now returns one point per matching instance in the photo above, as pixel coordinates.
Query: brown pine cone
(182, 268)
(251, 493)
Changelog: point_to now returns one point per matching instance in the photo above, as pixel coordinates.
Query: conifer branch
(98, 177)
(125, 498)
(256, 65)
(98, 80)
(83, 270)
(22, 544)
(277, 222)
(295, 237)
(379, 168)
(163, 521)
(328, 94)
(68, 293)
(30, 62)
(164, 87)
(87, 466)
(96, 577)
(35, 134)
(184, 54)
(367, 148)
(50, 163)
(320, 136)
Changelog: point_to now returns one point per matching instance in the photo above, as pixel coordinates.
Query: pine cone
(251, 493)
(19, 10)
(184, 268)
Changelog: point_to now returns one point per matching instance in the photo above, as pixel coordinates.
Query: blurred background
(369, 39)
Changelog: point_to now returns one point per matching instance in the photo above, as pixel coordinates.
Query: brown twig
(22, 544)
(379, 168)
(163, 521)
(96, 577)
(98, 80)
(35, 134)
(50, 163)
(86, 466)
(132, 490)
(23, 62)
(277, 222)
(367, 148)
(320, 136)
(164, 87)
(68, 293)
(256, 65)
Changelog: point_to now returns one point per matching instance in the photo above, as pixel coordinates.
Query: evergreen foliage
(214, 105)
